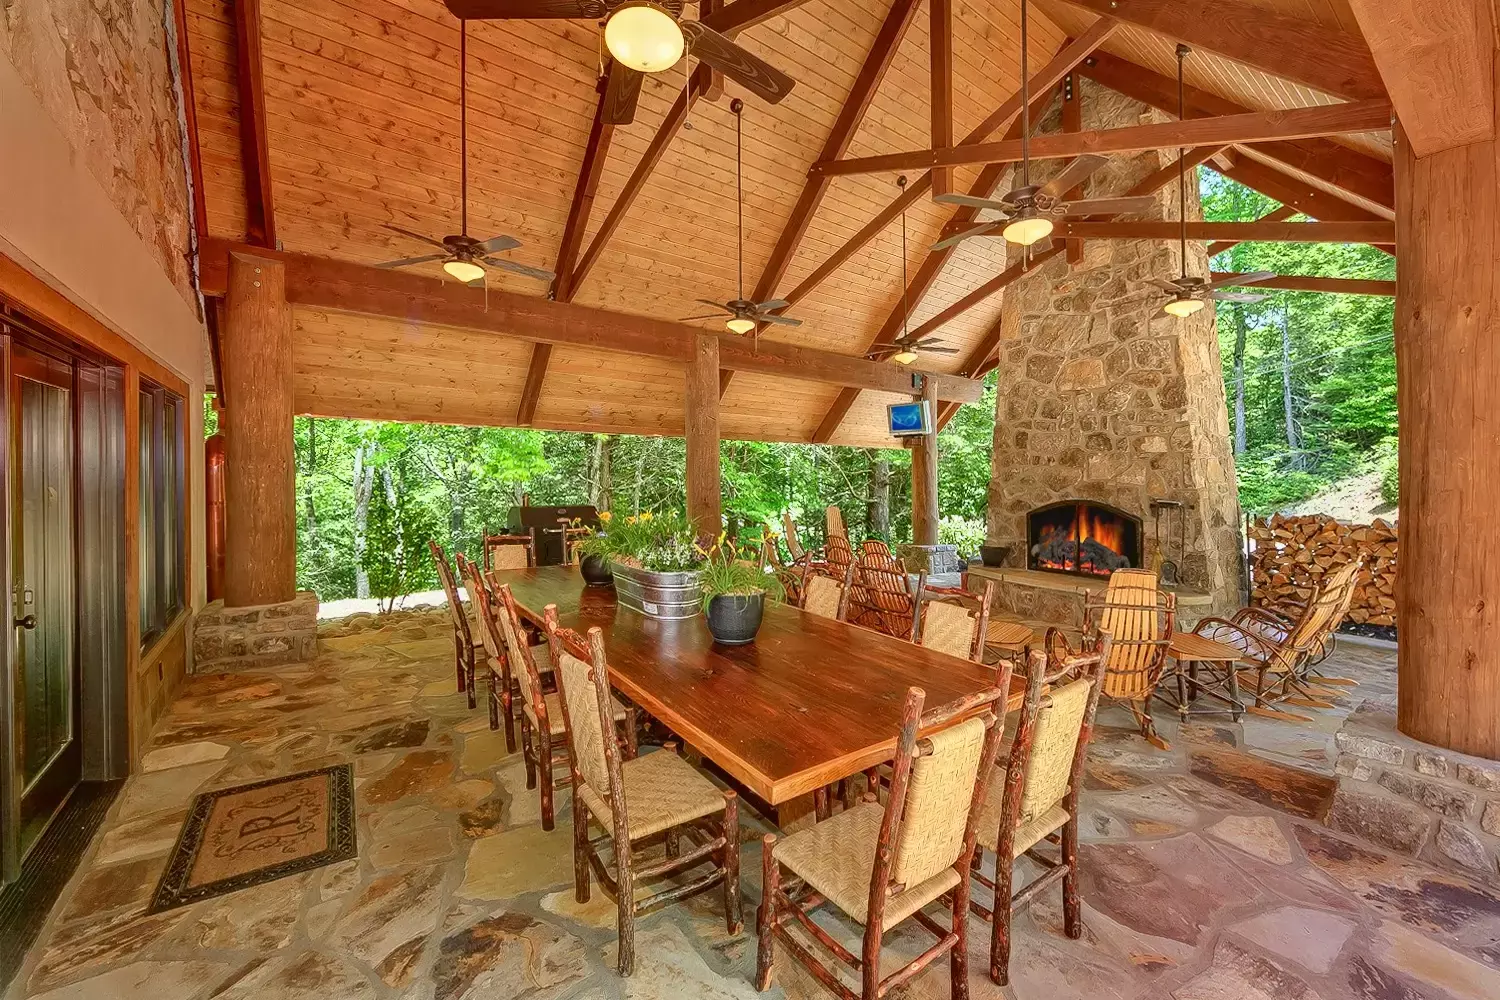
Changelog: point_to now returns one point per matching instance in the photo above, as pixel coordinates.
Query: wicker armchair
(464, 643)
(1033, 795)
(955, 621)
(504, 552)
(1140, 618)
(1283, 657)
(883, 864)
(636, 798)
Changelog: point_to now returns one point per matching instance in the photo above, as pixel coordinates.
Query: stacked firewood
(1290, 555)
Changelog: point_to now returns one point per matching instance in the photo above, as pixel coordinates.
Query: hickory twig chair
(505, 552)
(823, 594)
(1276, 622)
(793, 543)
(1033, 796)
(838, 556)
(834, 524)
(954, 620)
(1140, 617)
(635, 799)
(463, 638)
(881, 865)
(881, 596)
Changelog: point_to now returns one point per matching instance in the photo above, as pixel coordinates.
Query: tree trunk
(312, 467)
(602, 479)
(878, 508)
(1293, 438)
(1241, 331)
(364, 485)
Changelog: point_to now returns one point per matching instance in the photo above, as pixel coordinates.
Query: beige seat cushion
(661, 791)
(1028, 834)
(540, 655)
(837, 858)
(555, 712)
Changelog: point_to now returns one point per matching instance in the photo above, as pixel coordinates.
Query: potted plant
(593, 553)
(735, 591)
(656, 562)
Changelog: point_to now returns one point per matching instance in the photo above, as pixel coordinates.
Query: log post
(260, 551)
(701, 428)
(924, 476)
(1448, 364)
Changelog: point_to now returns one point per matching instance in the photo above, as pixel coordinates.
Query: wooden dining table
(810, 701)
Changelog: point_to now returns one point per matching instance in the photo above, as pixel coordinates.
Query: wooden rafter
(260, 212)
(325, 283)
(1303, 283)
(1324, 58)
(1304, 198)
(1336, 165)
(1379, 231)
(940, 60)
(195, 178)
(1251, 127)
(1072, 121)
(1274, 215)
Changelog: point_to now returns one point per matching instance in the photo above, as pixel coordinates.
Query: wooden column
(701, 428)
(1448, 366)
(924, 477)
(260, 552)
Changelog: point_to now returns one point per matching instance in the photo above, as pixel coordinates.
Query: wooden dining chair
(464, 642)
(634, 798)
(881, 865)
(793, 543)
(881, 596)
(544, 743)
(954, 620)
(838, 556)
(822, 594)
(1032, 796)
(505, 552)
(1141, 618)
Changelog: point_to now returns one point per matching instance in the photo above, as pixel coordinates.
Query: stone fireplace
(1104, 401)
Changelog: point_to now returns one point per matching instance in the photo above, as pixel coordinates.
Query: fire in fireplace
(1077, 536)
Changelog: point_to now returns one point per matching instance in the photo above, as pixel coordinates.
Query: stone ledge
(1036, 595)
(229, 639)
(1417, 799)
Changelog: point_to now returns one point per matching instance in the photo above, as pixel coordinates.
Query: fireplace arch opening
(1082, 537)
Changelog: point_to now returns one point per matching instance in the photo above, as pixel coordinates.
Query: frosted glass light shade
(740, 325)
(1182, 307)
(464, 270)
(644, 37)
(1028, 230)
(904, 358)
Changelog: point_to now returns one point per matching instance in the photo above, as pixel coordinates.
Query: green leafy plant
(396, 557)
(597, 542)
(964, 532)
(1390, 472)
(662, 543)
(730, 571)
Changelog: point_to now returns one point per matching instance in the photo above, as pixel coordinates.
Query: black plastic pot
(596, 571)
(735, 618)
(994, 555)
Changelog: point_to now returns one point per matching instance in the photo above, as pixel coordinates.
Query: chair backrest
(485, 611)
(881, 597)
(1139, 617)
(456, 613)
(522, 664)
(793, 543)
(955, 621)
(584, 686)
(822, 595)
(941, 758)
(835, 523)
(474, 583)
(875, 552)
(1321, 616)
(838, 555)
(509, 552)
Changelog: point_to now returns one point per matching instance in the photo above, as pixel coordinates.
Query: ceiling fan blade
(416, 236)
(1075, 173)
(770, 305)
(929, 341)
(780, 320)
(1165, 284)
(938, 350)
(750, 71)
(695, 319)
(1108, 206)
(716, 305)
(957, 238)
(623, 94)
(498, 244)
(1236, 297)
(408, 261)
(514, 268)
(526, 10)
(1241, 279)
(970, 201)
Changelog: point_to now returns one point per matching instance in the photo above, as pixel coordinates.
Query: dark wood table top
(810, 701)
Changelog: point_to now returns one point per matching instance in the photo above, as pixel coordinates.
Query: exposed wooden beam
(190, 119)
(940, 60)
(741, 14)
(1437, 60)
(1255, 126)
(1301, 283)
(531, 392)
(325, 283)
(1336, 165)
(1072, 121)
(1324, 58)
(1071, 54)
(946, 412)
(1263, 232)
(1311, 202)
(1274, 215)
(837, 411)
(255, 157)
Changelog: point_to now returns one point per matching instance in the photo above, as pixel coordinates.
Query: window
(160, 519)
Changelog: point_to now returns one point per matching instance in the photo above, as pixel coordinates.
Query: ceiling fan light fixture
(740, 325)
(464, 270)
(1182, 306)
(644, 37)
(905, 357)
(1027, 229)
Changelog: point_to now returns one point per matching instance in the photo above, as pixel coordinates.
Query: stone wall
(1414, 798)
(227, 639)
(102, 70)
(1101, 396)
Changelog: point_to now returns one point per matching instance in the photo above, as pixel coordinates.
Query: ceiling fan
(643, 36)
(463, 256)
(903, 350)
(744, 315)
(1190, 292)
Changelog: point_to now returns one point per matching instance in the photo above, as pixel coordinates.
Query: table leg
(1182, 702)
(1237, 709)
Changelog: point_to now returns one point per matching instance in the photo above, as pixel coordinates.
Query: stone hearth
(1103, 397)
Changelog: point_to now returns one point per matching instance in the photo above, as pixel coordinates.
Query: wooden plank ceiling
(361, 114)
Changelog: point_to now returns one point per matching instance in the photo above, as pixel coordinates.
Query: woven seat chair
(464, 642)
(881, 596)
(635, 799)
(1140, 618)
(504, 689)
(1033, 795)
(504, 552)
(822, 594)
(544, 746)
(1282, 660)
(881, 865)
(954, 620)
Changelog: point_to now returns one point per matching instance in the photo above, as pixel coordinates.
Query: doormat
(238, 837)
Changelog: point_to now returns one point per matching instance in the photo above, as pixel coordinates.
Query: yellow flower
(630, 520)
(645, 515)
(605, 516)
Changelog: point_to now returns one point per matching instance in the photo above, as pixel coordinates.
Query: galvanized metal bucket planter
(669, 596)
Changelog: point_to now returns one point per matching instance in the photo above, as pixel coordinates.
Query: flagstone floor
(1206, 875)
